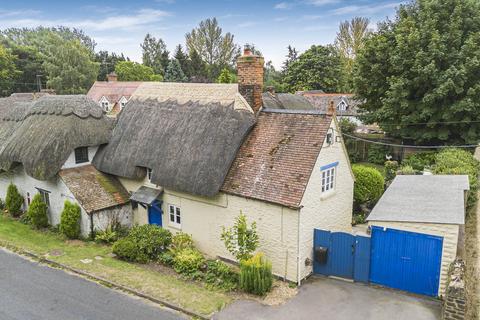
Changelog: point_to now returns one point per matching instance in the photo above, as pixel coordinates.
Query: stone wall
(455, 300)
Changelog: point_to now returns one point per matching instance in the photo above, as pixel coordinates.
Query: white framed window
(329, 175)
(123, 103)
(45, 196)
(149, 175)
(174, 216)
(342, 106)
(105, 104)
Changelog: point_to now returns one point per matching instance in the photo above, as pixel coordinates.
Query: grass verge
(162, 286)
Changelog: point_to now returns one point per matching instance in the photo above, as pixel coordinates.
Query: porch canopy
(146, 195)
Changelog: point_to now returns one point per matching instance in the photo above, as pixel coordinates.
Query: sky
(121, 25)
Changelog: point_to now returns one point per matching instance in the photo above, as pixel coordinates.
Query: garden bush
(391, 168)
(419, 161)
(70, 220)
(181, 241)
(13, 201)
(166, 258)
(189, 262)
(369, 185)
(106, 236)
(377, 153)
(256, 275)
(220, 275)
(127, 249)
(37, 212)
(406, 170)
(457, 161)
(149, 241)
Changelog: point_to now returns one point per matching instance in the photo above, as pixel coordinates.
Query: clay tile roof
(275, 162)
(94, 190)
(113, 90)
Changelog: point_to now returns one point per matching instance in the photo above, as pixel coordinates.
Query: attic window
(342, 106)
(123, 103)
(104, 104)
(81, 155)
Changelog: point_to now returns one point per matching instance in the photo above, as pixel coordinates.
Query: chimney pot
(331, 110)
(271, 89)
(247, 51)
(111, 77)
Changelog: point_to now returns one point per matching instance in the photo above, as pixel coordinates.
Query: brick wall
(454, 303)
(250, 79)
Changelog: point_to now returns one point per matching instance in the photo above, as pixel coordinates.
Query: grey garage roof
(423, 198)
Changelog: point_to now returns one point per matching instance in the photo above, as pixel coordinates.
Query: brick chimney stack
(111, 77)
(331, 110)
(250, 78)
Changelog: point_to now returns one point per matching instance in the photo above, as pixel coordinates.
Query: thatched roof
(189, 145)
(49, 131)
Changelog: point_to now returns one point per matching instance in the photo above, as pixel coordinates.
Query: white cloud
(13, 13)
(282, 5)
(246, 24)
(366, 9)
(113, 22)
(319, 3)
(313, 17)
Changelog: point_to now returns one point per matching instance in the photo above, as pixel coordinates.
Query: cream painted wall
(331, 211)
(204, 218)
(70, 163)
(449, 232)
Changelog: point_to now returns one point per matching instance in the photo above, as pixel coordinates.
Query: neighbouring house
(417, 231)
(285, 101)
(193, 156)
(46, 147)
(112, 95)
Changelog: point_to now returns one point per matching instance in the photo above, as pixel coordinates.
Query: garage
(415, 229)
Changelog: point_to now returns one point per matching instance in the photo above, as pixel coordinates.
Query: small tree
(241, 240)
(37, 212)
(70, 220)
(225, 76)
(13, 200)
(174, 72)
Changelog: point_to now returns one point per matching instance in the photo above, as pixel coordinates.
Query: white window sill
(327, 195)
(175, 226)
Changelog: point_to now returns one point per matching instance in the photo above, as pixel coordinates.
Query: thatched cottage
(46, 147)
(193, 156)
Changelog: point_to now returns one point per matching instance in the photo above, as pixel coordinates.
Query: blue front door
(155, 213)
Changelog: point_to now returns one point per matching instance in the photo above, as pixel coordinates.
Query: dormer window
(123, 102)
(81, 155)
(342, 106)
(105, 104)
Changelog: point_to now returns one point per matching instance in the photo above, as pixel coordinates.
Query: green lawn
(162, 286)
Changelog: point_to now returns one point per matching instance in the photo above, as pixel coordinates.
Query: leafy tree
(107, 62)
(70, 220)
(69, 66)
(350, 39)
(216, 49)
(13, 200)
(198, 68)
(183, 59)
(133, 71)
(8, 71)
(174, 72)
(241, 240)
(422, 68)
(273, 78)
(155, 54)
(292, 56)
(37, 212)
(226, 76)
(318, 68)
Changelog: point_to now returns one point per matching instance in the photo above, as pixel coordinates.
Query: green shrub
(2, 204)
(418, 161)
(13, 201)
(369, 184)
(180, 241)
(241, 240)
(406, 170)
(188, 262)
(70, 220)
(256, 275)
(127, 249)
(106, 236)
(220, 275)
(377, 153)
(149, 241)
(37, 212)
(25, 219)
(457, 161)
(391, 168)
(166, 258)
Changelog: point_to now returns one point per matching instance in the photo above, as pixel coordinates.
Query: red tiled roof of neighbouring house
(275, 161)
(92, 189)
(113, 90)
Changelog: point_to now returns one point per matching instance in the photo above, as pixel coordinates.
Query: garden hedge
(369, 184)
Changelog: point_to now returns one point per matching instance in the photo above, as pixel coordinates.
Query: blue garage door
(406, 260)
